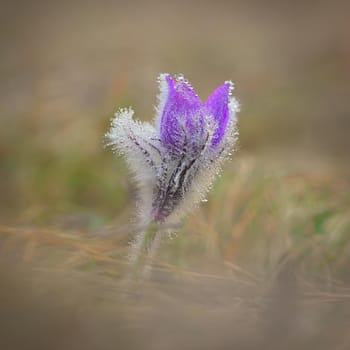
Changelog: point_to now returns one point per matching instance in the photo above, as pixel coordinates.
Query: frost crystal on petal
(176, 161)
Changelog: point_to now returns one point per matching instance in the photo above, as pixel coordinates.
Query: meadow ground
(263, 264)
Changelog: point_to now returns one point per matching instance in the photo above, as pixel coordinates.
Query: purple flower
(176, 161)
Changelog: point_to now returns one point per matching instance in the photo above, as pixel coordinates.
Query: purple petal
(217, 105)
(181, 105)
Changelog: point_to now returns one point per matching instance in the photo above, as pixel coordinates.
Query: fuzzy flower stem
(143, 251)
(152, 251)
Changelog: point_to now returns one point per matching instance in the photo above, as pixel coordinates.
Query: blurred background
(66, 66)
(67, 203)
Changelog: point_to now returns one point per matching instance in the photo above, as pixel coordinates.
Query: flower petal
(179, 108)
(217, 105)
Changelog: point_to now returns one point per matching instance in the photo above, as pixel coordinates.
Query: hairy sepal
(137, 142)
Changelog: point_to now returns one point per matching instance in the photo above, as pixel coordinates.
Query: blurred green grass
(261, 214)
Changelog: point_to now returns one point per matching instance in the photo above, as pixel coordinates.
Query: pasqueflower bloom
(176, 159)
